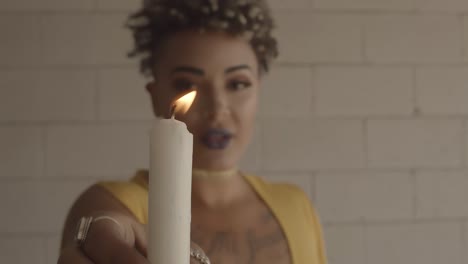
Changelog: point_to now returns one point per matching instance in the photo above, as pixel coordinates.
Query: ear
(152, 90)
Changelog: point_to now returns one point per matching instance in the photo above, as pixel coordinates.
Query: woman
(221, 49)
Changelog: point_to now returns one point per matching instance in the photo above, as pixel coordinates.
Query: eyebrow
(236, 68)
(197, 71)
(188, 69)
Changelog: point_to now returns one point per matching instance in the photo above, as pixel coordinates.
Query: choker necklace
(215, 175)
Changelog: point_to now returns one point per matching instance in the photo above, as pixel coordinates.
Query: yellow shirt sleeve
(316, 227)
(132, 195)
(298, 218)
(289, 203)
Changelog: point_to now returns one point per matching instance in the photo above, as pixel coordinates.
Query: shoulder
(133, 194)
(288, 199)
(298, 216)
(279, 191)
(136, 184)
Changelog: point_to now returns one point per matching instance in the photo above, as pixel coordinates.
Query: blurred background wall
(365, 110)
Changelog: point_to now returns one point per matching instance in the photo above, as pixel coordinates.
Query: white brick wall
(315, 38)
(13, 250)
(46, 5)
(287, 92)
(33, 206)
(431, 243)
(399, 5)
(20, 44)
(357, 196)
(38, 96)
(442, 194)
(122, 95)
(345, 244)
(365, 110)
(413, 39)
(22, 153)
(442, 91)
(75, 39)
(450, 6)
(302, 144)
(92, 145)
(422, 143)
(345, 91)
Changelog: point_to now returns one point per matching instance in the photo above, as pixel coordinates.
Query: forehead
(210, 51)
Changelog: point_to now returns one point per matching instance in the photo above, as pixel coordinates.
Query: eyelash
(183, 85)
(233, 85)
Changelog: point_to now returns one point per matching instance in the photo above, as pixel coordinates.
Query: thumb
(133, 232)
(112, 238)
(140, 232)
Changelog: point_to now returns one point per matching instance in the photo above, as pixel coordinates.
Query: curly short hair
(158, 19)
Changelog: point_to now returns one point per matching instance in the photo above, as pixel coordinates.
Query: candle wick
(173, 108)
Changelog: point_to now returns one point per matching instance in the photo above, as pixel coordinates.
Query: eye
(237, 85)
(182, 85)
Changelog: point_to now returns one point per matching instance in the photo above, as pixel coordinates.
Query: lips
(217, 139)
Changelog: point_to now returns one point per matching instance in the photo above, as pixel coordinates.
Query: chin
(214, 162)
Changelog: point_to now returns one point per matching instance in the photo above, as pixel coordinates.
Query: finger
(73, 255)
(141, 237)
(106, 244)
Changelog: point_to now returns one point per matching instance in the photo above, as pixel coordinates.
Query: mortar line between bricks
(463, 37)
(372, 11)
(417, 112)
(314, 89)
(381, 64)
(97, 99)
(82, 12)
(396, 222)
(463, 241)
(314, 11)
(24, 235)
(259, 149)
(84, 123)
(365, 142)
(45, 245)
(131, 65)
(363, 29)
(365, 243)
(361, 170)
(261, 143)
(313, 176)
(414, 197)
(125, 121)
(464, 144)
(45, 165)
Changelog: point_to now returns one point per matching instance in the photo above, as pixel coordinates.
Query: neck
(218, 192)
(221, 175)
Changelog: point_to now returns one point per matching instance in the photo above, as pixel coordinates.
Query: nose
(214, 106)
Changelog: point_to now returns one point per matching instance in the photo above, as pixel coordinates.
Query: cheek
(191, 119)
(246, 113)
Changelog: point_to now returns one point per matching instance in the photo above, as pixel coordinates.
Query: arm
(93, 201)
(106, 243)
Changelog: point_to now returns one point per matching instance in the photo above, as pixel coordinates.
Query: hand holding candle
(170, 187)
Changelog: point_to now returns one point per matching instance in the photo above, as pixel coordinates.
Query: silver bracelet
(82, 230)
(199, 256)
(85, 223)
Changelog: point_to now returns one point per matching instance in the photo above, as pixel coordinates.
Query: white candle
(170, 189)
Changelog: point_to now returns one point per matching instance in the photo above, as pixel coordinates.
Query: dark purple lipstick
(216, 138)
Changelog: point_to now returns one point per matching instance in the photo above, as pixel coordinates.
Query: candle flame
(182, 105)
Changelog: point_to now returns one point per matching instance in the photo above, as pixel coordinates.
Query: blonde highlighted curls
(158, 19)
